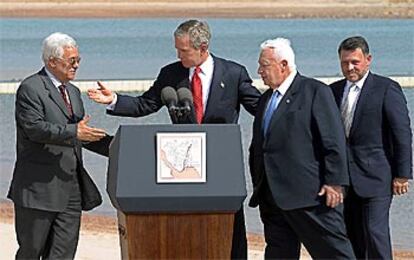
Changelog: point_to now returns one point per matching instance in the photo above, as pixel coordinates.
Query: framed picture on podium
(181, 157)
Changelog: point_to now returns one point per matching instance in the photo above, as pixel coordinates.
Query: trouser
(367, 223)
(320, 229)
(47, 234)
(239, 242)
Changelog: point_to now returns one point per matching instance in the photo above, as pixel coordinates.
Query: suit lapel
(216, 87)
(366, 91)
(286, 102)
(339, 92)
(53, 92)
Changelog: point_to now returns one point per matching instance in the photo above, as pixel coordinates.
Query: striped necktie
(348, 107)
(62, 89)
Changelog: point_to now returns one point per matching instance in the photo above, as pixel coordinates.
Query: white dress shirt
(206, 76)
(353, 95)
(283, 88)
(56, 83)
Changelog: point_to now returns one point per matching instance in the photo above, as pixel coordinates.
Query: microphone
(185, 99)
(170, 99)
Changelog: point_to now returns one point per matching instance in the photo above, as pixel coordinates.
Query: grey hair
(282, 50)
(198, 31)
(53, 45)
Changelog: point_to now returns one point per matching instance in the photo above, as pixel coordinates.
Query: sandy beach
(208, 8)
(99, 239)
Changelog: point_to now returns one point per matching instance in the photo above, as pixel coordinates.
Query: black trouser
(367, 224)
(48, 234)
(320, 229)
(239, 243)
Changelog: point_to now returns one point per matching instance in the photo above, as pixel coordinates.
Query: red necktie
(196, 88)
(62, 90)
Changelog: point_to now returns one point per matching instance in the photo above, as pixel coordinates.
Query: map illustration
(181, 157)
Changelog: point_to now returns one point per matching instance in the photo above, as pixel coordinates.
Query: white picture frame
(181, 157)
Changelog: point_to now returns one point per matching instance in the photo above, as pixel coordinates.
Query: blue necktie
(271, 107)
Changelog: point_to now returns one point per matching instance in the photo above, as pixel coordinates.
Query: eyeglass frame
(71, 61)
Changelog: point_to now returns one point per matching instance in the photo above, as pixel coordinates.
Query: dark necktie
(62, 89)
(271, 107)
(197, 90)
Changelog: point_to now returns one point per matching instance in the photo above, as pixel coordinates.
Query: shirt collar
(206, 67)
(283, 88)
(359, 83)
(52, 77)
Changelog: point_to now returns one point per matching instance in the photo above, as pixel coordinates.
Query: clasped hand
(334, 195)
(400, 186)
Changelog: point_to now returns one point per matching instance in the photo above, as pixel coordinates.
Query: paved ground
(92, 245)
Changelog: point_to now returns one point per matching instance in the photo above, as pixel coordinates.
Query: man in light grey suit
(50, 186)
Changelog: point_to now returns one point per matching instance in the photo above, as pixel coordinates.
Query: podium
(175, 220)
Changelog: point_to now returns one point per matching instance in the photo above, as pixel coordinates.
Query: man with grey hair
(298, 161)
(50, 186)
(218, 88)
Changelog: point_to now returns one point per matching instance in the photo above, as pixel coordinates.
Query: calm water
(402, 207)
(137, 48)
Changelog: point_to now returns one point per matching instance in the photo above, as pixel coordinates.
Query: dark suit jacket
(304, 147)
(379, 143)
(230, 87)
(48, 152)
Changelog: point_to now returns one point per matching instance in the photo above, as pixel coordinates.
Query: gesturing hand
(87, 133)
(334, 195)
(101, 95)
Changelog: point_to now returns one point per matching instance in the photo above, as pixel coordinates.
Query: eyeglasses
(72, 61)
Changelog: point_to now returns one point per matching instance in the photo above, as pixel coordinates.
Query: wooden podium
(175, 220)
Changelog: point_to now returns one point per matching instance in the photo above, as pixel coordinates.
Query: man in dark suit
(298, 161)
(50, 186)
(218, 86)
(377, 126)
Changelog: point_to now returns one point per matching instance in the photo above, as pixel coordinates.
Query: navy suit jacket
(303, 149)
(230, 87)
(379, 143)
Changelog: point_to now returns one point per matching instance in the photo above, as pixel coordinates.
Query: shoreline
(127, 85)
(267, 9)
(97, 227)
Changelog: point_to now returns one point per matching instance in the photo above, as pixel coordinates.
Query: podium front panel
(132, 175)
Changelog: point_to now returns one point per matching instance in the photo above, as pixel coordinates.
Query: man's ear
(51, 63)
(284, 64)
(369, 59)
(203, 48)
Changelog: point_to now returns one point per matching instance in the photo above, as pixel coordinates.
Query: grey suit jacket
(48, 152)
